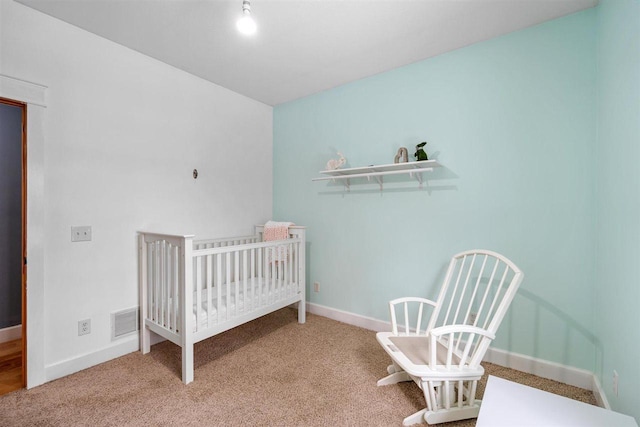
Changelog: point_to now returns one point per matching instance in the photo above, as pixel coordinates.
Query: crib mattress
(259, 294)
(238, 303)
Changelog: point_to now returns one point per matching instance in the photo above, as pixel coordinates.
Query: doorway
(12, 245)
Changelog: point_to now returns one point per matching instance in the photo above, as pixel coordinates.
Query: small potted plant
(420, 154)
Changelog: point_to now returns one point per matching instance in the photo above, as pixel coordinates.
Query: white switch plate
(81, 233)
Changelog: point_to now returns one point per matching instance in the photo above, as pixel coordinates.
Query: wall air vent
(124, 323)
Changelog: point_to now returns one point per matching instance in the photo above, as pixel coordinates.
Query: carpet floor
(269, 372)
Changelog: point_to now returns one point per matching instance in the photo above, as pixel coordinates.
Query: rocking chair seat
(411, 354)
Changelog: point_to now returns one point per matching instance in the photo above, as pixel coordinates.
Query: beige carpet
(270, 372)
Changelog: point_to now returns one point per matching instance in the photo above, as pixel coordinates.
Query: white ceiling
(301, 46)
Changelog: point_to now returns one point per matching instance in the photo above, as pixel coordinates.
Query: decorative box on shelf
(413, 169)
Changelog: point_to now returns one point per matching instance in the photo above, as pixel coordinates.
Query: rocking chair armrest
(453, 329)
(452, 349)
(411, 299)
(406, 302)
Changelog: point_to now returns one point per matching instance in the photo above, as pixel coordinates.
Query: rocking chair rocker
(444, 357)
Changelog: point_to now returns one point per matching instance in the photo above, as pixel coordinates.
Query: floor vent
(124, 323)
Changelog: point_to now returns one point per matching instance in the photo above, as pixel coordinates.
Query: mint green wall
(512, 120)
(617, 320)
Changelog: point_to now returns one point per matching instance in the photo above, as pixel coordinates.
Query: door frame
(34, 97)
(23, 222)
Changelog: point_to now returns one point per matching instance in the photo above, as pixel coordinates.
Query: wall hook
(195, 174)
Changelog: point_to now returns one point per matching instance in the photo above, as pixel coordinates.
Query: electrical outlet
(81, 233)
(316, 287)
(615, 382)
(84, 327)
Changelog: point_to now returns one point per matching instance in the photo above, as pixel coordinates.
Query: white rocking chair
(443, 356)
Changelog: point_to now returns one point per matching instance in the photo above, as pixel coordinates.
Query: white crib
(191, 290)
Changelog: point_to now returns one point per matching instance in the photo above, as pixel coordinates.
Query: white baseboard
(79, 363)
(349, 318)
(541, 368)
(598, 392)
(520, 362)
(11, 333)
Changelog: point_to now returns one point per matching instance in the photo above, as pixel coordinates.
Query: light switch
(81, 233)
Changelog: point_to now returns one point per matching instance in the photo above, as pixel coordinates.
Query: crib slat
(166, 303)
(166, 306)
(252, 274)
(287, 270)
(260, 275)
(154, 278)
(280, 274)
(209, 294)
(236, 279)
(170, 285)
(267, 276)
(244, 281)
(166, 288)
(273, 266)
(296, 271)
(176, 291)
(219, 285)
(165, 284)
(198, 289)
(292, 291)
(158, 296)
(156, 283)
(228, 285)
(150, 280)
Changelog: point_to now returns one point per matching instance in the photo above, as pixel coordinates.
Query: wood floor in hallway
(10, 366)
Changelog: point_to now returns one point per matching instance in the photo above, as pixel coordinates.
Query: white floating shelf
(413, 169)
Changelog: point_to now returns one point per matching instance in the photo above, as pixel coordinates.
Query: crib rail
(233, 281)
(227, 241)
(220, 278)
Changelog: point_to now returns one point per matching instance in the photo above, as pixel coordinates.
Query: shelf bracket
(346, 182)
(417, 176)
(379, 179)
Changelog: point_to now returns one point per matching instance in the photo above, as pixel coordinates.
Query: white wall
(123, 133)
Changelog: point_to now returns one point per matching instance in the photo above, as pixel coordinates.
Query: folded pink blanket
(274, 230)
